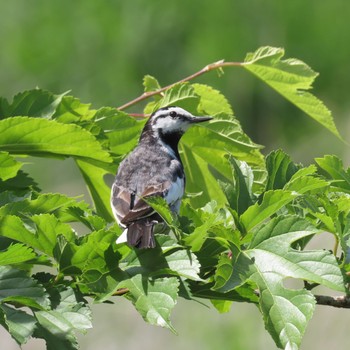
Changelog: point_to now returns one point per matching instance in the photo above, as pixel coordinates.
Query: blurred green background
(102, 49)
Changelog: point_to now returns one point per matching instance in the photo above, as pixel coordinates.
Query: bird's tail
(140, 234)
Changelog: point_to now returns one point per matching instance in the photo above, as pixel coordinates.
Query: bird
(154, 168)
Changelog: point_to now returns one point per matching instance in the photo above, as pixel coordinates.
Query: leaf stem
(212, 66)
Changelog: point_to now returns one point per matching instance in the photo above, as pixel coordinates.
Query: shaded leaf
(18, 323)
(16, 285)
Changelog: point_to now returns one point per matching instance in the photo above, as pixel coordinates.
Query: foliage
(242, 231)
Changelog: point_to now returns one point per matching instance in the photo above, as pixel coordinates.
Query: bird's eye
(173, 114)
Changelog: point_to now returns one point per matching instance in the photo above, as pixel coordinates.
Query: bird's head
(172, 120)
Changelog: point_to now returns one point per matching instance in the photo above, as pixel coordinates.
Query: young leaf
(272, 201)
(280, 170)
(211, 102)
(291, 78)
(181, 95)
(150, 83)
(240, 193)
(42, 137)
(154, 300)
(8, 166)
(334, 169)
(16, 254)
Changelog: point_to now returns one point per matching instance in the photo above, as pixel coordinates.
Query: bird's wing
(128, 212)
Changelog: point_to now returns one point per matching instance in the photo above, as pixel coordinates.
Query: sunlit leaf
(8, 166)
(292, 79)
(42, 137)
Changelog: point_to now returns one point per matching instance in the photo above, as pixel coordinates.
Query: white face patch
(171, 124)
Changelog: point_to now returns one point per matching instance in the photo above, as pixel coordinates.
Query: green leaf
(154, 299)
(16, 285)
(280, 170)
(57, 326)
(270, 259)
(150, 83)
(18, 323)
(291, 78)
(165, 259)
(239, 193)
(94, 177)
(42, 137)
(16, 254)
(203, 151)
(211, 102)
(21, 182)
(181, 95)
(121, 130)
(272, 201)
(334, 169)
(8, 166)
(33, 103)
(39, 232)
(44, 203)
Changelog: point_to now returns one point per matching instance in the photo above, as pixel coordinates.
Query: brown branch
(338, 301)
(216, 65)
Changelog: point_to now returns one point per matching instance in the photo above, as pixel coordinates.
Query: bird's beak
(200, 119)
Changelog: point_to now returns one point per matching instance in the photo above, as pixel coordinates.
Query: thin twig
(342, 301)
(208, 68)
(338, 301)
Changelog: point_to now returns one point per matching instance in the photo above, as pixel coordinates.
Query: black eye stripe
(173, 114)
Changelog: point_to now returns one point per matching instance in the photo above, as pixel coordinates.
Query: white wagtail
(153, 168)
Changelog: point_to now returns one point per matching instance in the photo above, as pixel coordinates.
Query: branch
(216, 65)
(339, 301)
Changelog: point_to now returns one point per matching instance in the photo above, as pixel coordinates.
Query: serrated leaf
(212, 102)
(121, 130)
(154, 300)
(280, 170)
(272, 201)
(21, 182)
(44, 203)
(150, 83)
(268, 260)
(16, 254)
(18, 323)
(8, 166)
(94, 177)
(42, 137)
(181, 95)
(33, 103)
(333, 167)
(239, 193)
(39, 232)
(165, 259)
(16, 284)
(291, 78)
(203, 151)
(57, 326)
